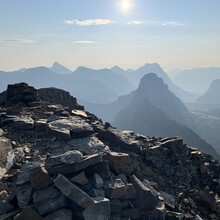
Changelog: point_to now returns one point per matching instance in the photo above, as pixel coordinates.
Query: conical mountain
(155, 111)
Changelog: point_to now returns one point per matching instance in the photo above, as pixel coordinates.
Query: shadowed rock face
(102, 172)
(19, 92)
(57, 96)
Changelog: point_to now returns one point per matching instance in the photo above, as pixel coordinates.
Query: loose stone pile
(64, 163)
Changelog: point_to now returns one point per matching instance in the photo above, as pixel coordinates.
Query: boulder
(145, 198)
(72, 191)
(119, 162)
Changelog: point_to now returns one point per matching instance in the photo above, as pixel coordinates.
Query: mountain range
(196, 80)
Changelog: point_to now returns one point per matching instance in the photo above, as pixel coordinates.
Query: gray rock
(72, 168)
(61, 214)
(89, 145)
(101, 168)
(169, 199)
(24, 174)
(73, 127)
(115, 189)
(40, 178)
(97, 193)
(44, 195)
(98, 181)
(100, 210)
(71, 157)
(52, 205)
(73, 192)
(145, 198)
(24, 194)
(119, 162)
(80, 179)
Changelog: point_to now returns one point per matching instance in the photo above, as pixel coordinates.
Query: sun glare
(125, 5)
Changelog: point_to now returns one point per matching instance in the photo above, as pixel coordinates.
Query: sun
(125, 5)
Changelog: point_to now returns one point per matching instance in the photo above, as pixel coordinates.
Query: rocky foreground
(63, 163)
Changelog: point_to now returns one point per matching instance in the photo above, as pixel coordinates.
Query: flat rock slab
(72, 168)
(88, 145)
(73, 192)
(74, 126)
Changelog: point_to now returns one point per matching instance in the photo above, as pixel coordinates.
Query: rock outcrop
(66, 164)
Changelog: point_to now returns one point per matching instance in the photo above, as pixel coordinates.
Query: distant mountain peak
(58, 68)
(117, 68)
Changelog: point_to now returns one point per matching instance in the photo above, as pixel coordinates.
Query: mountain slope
(155, 111)
(212, 94)
(197, 80)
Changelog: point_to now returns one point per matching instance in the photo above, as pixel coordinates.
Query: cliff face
(65, 164)
(58, 96)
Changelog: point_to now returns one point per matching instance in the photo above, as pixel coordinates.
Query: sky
(103, 33)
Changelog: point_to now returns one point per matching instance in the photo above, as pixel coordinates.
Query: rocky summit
(60, 162)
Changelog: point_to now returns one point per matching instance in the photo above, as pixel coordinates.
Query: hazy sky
(102, 33)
